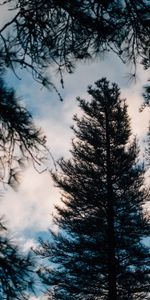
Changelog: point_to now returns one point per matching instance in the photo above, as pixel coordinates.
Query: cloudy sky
(29, 211)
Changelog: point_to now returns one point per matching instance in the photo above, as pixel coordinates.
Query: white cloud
(27, 244)
(30, 210)
(6, 12)
(32, 207)
(139, 120)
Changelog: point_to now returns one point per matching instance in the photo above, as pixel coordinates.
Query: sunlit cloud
(31, 209)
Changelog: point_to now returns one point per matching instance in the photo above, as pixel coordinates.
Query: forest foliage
(97, 251)
(58, 34)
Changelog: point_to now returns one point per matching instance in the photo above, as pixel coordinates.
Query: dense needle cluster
(98, 252)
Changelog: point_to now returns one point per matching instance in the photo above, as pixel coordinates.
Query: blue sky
(29, 211)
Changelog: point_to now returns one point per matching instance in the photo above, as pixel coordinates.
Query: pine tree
(147, 150)
(147, 94)
(20, 140)
(98, 252)
(63, 32)
(16, 269)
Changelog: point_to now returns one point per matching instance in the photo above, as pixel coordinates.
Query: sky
(29, 211)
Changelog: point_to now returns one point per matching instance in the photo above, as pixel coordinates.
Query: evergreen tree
(16, 269)
(20, 140)
(147, 150)
(146, 96)
(62, 32)
(97, 252)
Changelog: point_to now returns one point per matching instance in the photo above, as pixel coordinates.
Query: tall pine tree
(98, 252)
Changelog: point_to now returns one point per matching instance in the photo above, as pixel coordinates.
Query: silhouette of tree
(97, 251)
(20, 140)
(146, 104)
(61, 32)
(16, 269)
(147, 150)
(146, 94)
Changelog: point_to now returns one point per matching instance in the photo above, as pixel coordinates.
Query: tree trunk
(112, 289)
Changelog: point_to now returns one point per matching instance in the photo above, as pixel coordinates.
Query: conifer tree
(60, 33)
(147, 150)
(16, 269)
(97, 252)
(20, 139)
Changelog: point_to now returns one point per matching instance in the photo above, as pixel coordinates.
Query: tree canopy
(97, 252)
(16, 269)
(20, 140)
(60, 33)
